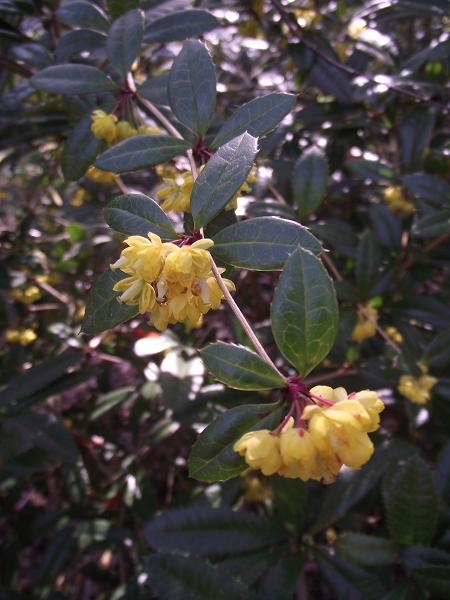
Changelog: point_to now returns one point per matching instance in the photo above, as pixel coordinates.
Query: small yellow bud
(396, 201)
(366, 324)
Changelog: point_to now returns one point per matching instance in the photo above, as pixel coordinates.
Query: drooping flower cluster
(366, 325)
(417, 389)
(107, 127)
(329, 430)
(396, 201)
(173, 282)
(176, 193)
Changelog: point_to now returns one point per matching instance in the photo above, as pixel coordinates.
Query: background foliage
(96, 429)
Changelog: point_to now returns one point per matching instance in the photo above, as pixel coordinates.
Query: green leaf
(155, 89)
(368, 550)
(431, 568)
(80, 150)
(186, 578)
(124, 40)
(192, 87)
(139, 152)
(257, 117)
(119, 7)
(103, 310)
(433, 224)
(78, 41)
(85, 15)
(371, 170)
(309, 181)
(429, 188)
(221, 178)
(304, 311)
(239, 367)
(72, 79)
(437, 353)
(415, 136)
(137, 214)
(368, 258)
(386, 225)
(204, 531)
(212, 457)
(180, 25)
(263, 243)
(282, 575)
(412, 504)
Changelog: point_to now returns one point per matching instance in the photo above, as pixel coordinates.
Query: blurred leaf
(155, 89)
(386, 225)
(124, 40)
(366, 550)
(72, 79)
(212, 457)
(412, 504)
(338, 234)
(204, 531)
(291, 498)
(437, 353)
(257, 117)
(263, 243)
(78, 41)
(119, 7)
(107, 402)
(140, 152)
(415, 135)
(431, 568)
(432, 225)
(429, 188)
(180, 25)
(186, 578)
(221, 178)
(309, 181)
(442, 475)
(103, 310)
(281, 576)
(85, 15)
(137, 214)
(180, 378)
(370, 170)
(368, 258)
(240, 367)
(192, 87)
(80, 150)
(304, 311)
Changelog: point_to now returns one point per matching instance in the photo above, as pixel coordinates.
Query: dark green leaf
(180, 25)
(124, 40)
(192, 87)
(257, 117)
(281, 576)
(119, 7)
(186, 578)
(386, 225)
(431, 568)
(366, 550)
(139, 152)
(416, 132)
(370, 170)
(84, 14)
(212, 457)
(203, 531)
(304, 311)
(368, 259)
(155, 89)
(437, 353)
(429, 188)
(309, 181)
(412, 504)
(263, 243)
(137, 214)
(432, 225)
(103, 311)
(77, 41)
(80, 150)
(240, 367)
(221, 178)
(72, 79)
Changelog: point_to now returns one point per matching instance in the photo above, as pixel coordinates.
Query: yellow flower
(366, 324)
(99, 176)
(104, 126)
(417, 389)
(12, 336)
(261, 450)
(298, 453)
(256, 490)
(124, 130)
(145, 130)
(79, 198)
(396, 201)
(28, 295)
(394, 334)
(22, 336)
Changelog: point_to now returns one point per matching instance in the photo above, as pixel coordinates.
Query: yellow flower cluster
(394, 334)
(108, 128)
(417, 389)
(172, 282)
(24, 337)
(396, 201)
(366, 325)
(336, 435)
(176, 194)
(28, 295)
(100, 176)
